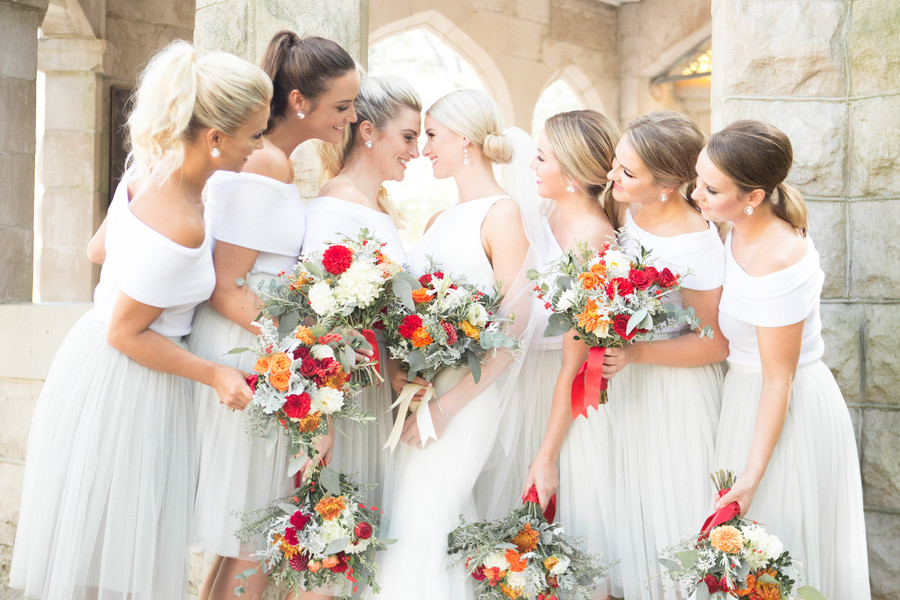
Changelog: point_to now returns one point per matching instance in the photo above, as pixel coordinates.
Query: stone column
(19, 22)
(828, 74)
(244, 27)
(70, 166)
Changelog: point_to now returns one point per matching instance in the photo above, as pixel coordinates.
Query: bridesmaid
(257, 221)
(483, 238)
(665, 394)
(377, 149)
(798, 465)
(575, 153)
(109, 477)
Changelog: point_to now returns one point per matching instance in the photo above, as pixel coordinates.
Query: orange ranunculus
(280, 380)
(510, 592)
(470, 330)
(262, 365)
(305, 335)
(421, 295)
(599, 269)
(310, 422)
(526, 540)
(590, 280)
(421, 337)
(727, 539)
(330, 561)
(330, 507)
(515, 560)
(279, 363)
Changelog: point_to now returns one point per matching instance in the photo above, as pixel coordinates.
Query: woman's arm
(687, 350)
(96, 248)
(130, 333)
(779, 349)
(544, 474)
(238, 304)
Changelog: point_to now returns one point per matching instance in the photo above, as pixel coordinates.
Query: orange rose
(313, 566)
(331, 561)
(421, 337)
(280, 363)
(280, 380)
(590, 280)
(421, 295)
(262, 365)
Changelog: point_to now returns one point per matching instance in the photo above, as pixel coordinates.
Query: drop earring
(748, 210)
(663, 197)
(214, 153)
(369, 143)
(301, 114)
(465, 156)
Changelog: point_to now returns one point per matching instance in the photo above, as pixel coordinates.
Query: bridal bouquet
(344, 285)
(734, 558)
(525, 556)
(437, 323)
(322, 536)
(610, 298)
(301, 379)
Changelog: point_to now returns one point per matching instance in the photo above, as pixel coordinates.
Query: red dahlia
(409, 325)
(296, 406)
(337, 259)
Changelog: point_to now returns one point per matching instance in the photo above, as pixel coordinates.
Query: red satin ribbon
(370, 337)
(550, 511)
(722, 515)
(588, 383)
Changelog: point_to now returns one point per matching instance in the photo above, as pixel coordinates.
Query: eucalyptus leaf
(532, 274)
(403, 291)
(236, 351)
(347, 358)
(296, 464)
(702, 592)
(557, 324)
(635, 320)
(288, 509)
(742, 570)
(330, 481)
(314, 270)
(336, 546)
(808, 592)
(474, 365)
(564, 282)
(416, 360)
(688, 558)
(249, 572)
(766, 578)
(490, 340)
(288, 322)
(275, 310)
(670, 564)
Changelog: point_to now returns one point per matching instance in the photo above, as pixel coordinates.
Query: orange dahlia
(305, 335)
(726, 539)
(330, 507)
(526, 540)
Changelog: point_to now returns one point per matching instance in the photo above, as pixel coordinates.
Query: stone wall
(828, 74)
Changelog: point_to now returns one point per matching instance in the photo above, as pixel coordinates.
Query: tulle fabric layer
(429, 488)
(811, 494)
(358, 449)
(664, 426)
(235, 473)
(109, 478)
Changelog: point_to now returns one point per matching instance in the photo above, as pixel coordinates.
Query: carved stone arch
(581, 84)
(437, 24)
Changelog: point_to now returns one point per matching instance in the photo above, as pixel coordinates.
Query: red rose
(329, 366)
(296, 406)
(652, 274)
(299, 562)
(426, 279)
(252, 380)
(667, 278)
(409, 325)
(619, 285)
(308, 367)
(301, 352)
(342, 565)
(640, 279)
(336, 259)
(299, 520)
(451, 332)
(290, 536)
(712, 584)
(478, 573)
(620, 326)
(363, 530)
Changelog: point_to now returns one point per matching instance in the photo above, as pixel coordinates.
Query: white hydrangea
(321, 298)
(617, 264)
(516, 579)
(496, 560)
(477, 315)
(359, 285)
(321, 351)
(330, 531)
(326, 400)
(767, 546)
(561, 566)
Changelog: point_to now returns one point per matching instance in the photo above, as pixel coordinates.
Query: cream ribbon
(423, 415)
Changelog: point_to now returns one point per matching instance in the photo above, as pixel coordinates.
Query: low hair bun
(497, 148)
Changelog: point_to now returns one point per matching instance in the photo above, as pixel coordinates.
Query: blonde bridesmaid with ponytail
(110, 468)
(784, 428)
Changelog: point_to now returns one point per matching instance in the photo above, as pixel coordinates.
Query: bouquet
(322, 536)
(344, 285)
(525, 556)
(734, 558)
(439, 324)
(610, 298)
(301, 379)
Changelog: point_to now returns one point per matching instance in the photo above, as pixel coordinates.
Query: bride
(482, 237)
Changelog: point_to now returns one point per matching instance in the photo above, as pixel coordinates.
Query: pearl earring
(465, 156)
(663, 197)
(301, 114)
(214, 153)
(570, 188)
(369, 143)
(748, 210)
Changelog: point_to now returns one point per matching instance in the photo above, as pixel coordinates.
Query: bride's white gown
(429, 488)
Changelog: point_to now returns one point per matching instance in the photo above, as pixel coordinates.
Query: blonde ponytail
(788, 204)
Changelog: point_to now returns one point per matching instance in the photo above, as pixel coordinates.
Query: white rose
(617, 264)
(326, 400)
(321, 298)
(561, 566)
(477, 315)
(321, 351)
